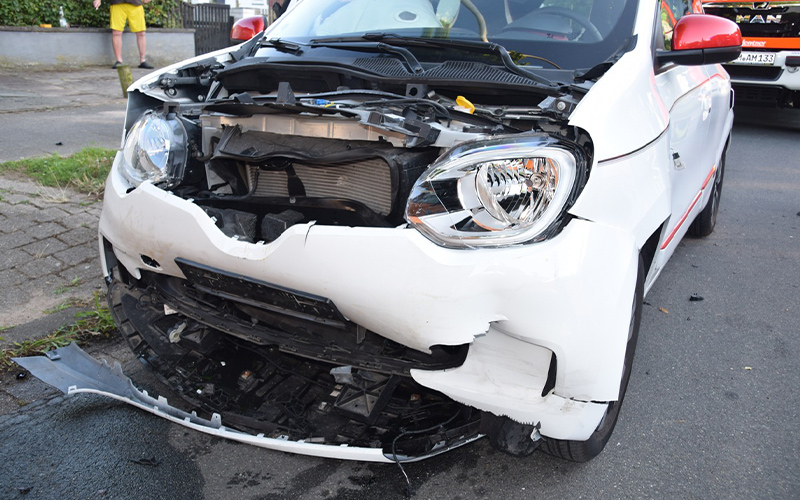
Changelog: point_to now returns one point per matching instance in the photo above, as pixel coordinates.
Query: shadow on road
(777, 118)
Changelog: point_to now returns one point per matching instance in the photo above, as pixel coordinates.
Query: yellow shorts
(133, 13)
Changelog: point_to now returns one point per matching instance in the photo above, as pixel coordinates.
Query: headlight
(155, 150)
(495, 193)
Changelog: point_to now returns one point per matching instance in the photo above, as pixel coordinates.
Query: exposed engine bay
(264, 158)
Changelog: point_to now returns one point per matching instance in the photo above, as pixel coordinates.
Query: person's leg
(118, 18)
(141, 43)
(136, 21)
(116, 43)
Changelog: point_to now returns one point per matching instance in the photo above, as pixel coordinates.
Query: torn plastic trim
(72, 371)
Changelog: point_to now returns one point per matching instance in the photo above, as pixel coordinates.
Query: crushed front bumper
(568, 297)
(72, 371)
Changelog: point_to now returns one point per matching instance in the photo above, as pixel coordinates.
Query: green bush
(158, 13)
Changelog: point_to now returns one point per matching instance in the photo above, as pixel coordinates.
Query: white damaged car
(381, 229)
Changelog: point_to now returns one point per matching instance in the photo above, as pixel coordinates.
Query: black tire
(583, 451)
(706, 220)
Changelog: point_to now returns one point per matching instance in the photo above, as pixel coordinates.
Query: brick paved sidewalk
(48, 237)
(49, 251)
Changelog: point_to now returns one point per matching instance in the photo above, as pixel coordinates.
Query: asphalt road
(36, 103)
(712, 409)
(31, 135)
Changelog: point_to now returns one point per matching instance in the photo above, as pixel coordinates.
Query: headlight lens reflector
(495, 193)
(154, 150)
(515, 191)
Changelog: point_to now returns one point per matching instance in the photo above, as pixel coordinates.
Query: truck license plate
(756, 58)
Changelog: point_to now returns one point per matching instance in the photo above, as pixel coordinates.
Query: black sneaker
(146, 65)
(117, 65)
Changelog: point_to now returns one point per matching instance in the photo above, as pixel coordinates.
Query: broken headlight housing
(155, 150)
(500, 192)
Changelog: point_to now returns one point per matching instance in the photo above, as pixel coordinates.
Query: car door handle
(677, 162)
(707, 101)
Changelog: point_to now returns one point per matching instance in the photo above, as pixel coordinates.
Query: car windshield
(569, 33)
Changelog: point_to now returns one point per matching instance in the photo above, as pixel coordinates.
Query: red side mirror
(702, 39)
(700, 31)
(246, 28)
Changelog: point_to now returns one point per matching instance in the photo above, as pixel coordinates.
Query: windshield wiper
(283, 45)
(358, 44)
(467, 45)
(599, 70)
(296, 49)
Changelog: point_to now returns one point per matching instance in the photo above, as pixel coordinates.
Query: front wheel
(706, 220)
(583, 451)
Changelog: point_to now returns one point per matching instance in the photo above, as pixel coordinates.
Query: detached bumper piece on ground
(310, 413)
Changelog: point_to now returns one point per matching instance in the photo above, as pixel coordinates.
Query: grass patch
(85, 171)
(70, 302)
(58, 308)
(67, 286)
(93, 324)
